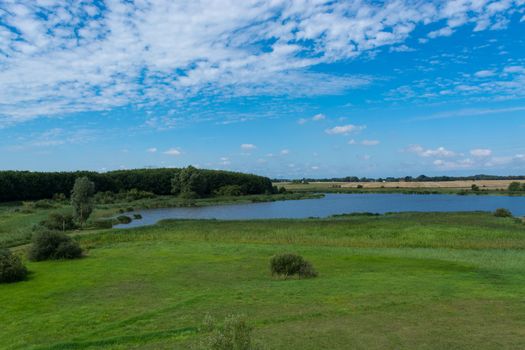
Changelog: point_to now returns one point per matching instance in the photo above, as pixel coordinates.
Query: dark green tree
(82, 198)
(514, 186)
(190, 183)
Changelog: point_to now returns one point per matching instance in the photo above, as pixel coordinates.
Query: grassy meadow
(436, 187)
(397, 281)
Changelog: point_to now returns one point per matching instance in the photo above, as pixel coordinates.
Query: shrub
(503, 213)
(124, 219)
(106, 197)
(137, 216)
(68, 250)
(59, 222)
(290, 265)
(59, 197)
(515, 186)
(234, 333)
(103, 224)
(47, 245)
(474, 187)
(11, 267)
(229, 190)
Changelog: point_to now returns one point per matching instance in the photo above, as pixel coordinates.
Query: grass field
(485, 186)
(399, 281)
(17, 220)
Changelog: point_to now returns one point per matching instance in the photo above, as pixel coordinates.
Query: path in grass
(405, 281)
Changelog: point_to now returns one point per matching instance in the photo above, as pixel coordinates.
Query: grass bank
(399, 281)
(17, 219)
(485, 187)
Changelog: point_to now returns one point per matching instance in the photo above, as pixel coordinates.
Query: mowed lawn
(400, 281)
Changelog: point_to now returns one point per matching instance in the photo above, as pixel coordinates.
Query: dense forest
(27, 185)
(420, 178)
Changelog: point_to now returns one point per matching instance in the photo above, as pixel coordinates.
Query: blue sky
(280, 88)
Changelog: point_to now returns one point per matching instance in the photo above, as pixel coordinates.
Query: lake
(333, 204)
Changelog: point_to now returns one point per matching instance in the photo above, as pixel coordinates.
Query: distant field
(439, 185)
(402, 281)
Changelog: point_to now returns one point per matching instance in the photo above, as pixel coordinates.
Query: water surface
(333, 204)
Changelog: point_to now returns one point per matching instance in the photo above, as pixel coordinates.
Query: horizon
(280, 89)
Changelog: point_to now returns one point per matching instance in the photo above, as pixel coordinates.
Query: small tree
(190, 183)
(514, 186)
(11, 267)
(82, 198)
(50, 245)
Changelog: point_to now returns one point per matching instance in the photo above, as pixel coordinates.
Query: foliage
(50, 245)
(103, 224)
(291, 265)
(193, 183)
(124, 219)
(229, 191)
(59, 222)
(11, 267)
(26, 185)
(82, 198)
(516, 187)
(474, 187)
(233, 334)
(502, 213)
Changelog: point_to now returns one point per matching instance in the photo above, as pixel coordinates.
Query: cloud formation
(59, 57)
(344, 129)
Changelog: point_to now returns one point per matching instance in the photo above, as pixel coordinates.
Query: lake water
(333, 204)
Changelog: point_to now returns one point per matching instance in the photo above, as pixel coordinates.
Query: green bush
(291, 265)
(503, 213)
(59, 222)
(50, 245)
(229, 190)
(11, 267)
(137, 216)
(516, 186)
(124, 219)
(233, 334)
(103, 224)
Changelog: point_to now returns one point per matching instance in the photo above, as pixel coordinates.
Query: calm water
(333, 204)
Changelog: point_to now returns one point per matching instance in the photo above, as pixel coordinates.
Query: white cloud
(151, 150)
(446, 31)
(318, 117)
(481, 152)
(438, 152)
(285, 152)
(345, 129)
(352, 142)
(484, 73)
(248, 147)
(454, 165)
(401, 48)
(83, 57)
(370, 142)
(315, 118)
(514, 69)
(173, 152)
(315, 167)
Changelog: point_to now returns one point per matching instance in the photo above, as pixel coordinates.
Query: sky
(286, 89)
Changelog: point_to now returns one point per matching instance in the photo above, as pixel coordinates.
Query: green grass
(17, 220)
(400, 281)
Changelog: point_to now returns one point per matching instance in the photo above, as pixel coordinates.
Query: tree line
(28, 185)
(420, 178)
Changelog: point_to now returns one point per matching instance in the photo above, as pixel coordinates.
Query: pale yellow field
(483, 184)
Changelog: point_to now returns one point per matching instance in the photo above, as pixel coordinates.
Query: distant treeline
(420, 178)
(27, 185)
